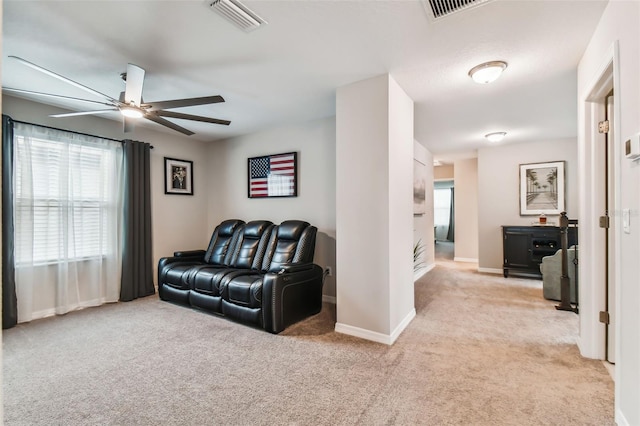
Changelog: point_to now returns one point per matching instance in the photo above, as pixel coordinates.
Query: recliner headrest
(256, 228)
(291, 229)
(226, 228)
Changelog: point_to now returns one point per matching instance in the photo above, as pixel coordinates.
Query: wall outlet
(329, 271)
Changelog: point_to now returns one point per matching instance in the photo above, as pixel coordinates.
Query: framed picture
(542, 188)
(419, 187)
(273, 176)
(178, 176)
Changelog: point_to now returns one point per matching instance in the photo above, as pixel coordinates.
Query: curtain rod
(70, 131)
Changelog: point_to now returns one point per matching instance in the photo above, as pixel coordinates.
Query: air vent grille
(442, 8)
(238, 14)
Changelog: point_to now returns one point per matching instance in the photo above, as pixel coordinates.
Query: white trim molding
(491, 271)
(329, 299)
(422, 272)
(465, 259)
(374, 336)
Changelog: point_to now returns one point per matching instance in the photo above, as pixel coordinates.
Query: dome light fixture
(131, 112)
(495, 136)
(487, 72)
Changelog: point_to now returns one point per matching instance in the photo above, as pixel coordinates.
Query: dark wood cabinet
(523, 247)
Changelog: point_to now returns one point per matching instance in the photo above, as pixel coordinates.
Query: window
(442, 207)
(65, 197)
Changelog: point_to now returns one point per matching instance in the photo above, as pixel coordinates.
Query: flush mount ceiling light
(487, 72)
(495, 136)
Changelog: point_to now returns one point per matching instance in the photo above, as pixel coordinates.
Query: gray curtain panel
(9, 301)
(451, 231)
(137, 268)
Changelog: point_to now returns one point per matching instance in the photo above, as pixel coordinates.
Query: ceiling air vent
(441, 8)
(239, 14)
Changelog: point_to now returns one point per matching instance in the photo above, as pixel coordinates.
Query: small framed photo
(273, 176)
(542, 188)
(178, 176)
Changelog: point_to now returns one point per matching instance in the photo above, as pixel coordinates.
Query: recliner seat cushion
(244, 290)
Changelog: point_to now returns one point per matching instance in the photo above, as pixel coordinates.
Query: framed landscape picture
(419, 187)
(273, 176)
(542, 188)
(178, 176)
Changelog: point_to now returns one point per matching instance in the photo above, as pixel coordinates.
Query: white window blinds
(65, 196)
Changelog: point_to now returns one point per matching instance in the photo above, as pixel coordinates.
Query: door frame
(591, 200)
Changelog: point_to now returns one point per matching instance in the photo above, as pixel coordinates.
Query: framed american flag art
(273, 176)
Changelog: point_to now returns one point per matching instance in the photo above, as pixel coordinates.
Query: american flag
(272, 176)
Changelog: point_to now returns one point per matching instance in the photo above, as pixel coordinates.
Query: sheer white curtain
(441, 212)
(68, 221)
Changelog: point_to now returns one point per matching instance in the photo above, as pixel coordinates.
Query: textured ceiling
(288, 71)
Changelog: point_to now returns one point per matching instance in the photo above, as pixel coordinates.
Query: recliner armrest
(290, 296)
(190, 253)
(290, 268)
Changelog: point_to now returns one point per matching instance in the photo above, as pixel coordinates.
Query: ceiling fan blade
(172, 114)
(179, 103)
(65, 79)
(74, 114)
(49, 95)
(129, 124)
(135, 80)
(167, 123)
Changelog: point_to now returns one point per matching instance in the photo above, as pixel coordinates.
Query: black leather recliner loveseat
(254, 272)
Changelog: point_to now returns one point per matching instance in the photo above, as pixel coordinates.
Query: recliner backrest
(293, 241)
(252, 244)
(223, 242)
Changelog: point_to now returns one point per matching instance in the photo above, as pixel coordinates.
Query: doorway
(609, 230)
(444, 219)
(599, 180)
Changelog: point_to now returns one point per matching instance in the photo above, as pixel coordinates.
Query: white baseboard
(465, 259)
(621, 420)
(491, 271)
(374, 336)
(422, 272)
(329, 299)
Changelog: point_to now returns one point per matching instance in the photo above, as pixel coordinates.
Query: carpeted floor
(482, 350)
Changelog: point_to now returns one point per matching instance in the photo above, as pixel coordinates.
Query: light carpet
(482, 350)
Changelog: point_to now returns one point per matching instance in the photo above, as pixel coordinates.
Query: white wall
(465, 176)
(315, 143)
(179, 222)
(620, 22)
(374, 163)
(401, 152)
(499, 196)
(423, 224)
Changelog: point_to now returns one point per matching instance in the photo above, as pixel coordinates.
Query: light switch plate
(626, 219)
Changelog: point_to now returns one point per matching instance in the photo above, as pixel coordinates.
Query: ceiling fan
(130, 103)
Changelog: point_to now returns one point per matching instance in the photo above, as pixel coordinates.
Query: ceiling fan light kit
(487, 72)
(131, 112)
(130, 103)
(495, 136)
(238, 14)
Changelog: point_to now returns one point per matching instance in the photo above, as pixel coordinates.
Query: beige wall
(179, 222)
(466, 210)
(619, 23)
(443, 172)
(315, 143)
(498, 195)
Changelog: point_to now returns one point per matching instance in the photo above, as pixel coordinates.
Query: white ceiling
(288, 71)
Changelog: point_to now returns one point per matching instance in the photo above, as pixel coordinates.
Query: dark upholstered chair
(247, 256)
(173, 271)
(257, 273)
